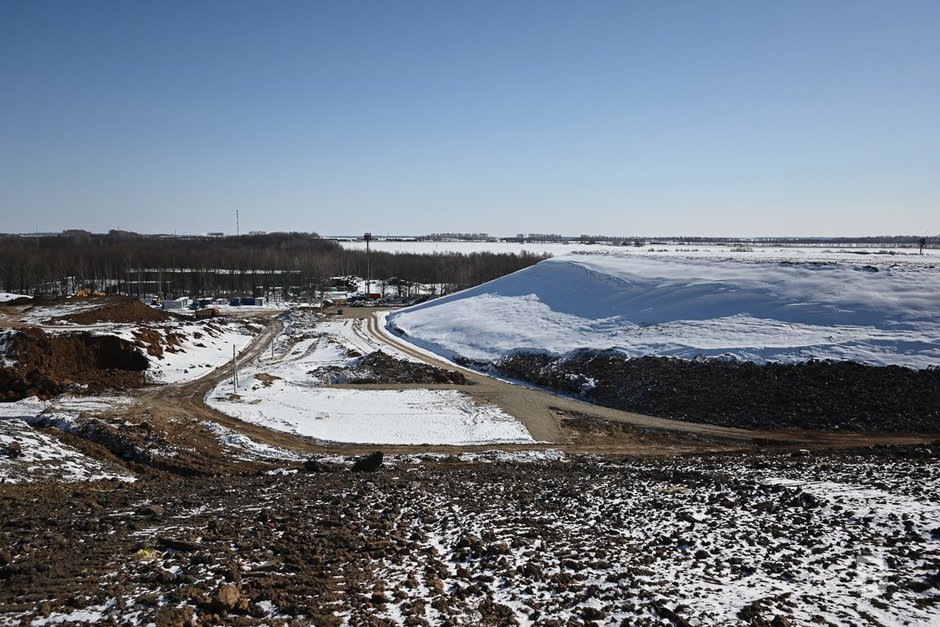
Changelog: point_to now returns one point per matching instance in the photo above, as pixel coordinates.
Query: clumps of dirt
(827, 395)
(266, 379)
(379, 367)
(155, 342)
(117, 310)
(47, 365)
(331, 547)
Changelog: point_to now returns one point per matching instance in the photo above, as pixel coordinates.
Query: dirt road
(581, 426)
(176, 418)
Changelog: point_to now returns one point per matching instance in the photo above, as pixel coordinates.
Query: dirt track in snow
(583, 427)
(554, 421)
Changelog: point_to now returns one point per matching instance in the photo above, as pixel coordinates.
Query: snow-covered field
(430, 248)
(871, 309)
(702, 250)
(286, 392)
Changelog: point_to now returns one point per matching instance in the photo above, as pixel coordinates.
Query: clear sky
(646, 118)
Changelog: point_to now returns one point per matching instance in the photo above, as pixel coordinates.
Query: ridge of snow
(683, 307)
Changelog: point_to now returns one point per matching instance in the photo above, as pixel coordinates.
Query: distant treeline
(170, 266)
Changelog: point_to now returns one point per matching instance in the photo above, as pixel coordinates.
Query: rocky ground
(495, 539)
(809, 395)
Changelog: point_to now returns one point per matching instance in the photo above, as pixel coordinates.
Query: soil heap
(47, 365)
(117, 310)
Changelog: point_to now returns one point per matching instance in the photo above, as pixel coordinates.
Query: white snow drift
(692, 307)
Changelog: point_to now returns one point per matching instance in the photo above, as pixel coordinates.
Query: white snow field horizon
(875, 310)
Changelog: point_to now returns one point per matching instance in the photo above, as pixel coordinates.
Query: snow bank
(6, 296)
(691, 307)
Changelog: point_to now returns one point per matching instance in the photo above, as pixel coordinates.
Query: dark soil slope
(47, 365)
(811, 395)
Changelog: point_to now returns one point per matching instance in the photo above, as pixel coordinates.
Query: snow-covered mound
(6, 296)
(692, 307)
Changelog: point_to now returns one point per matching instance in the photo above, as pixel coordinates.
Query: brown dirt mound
(47, 365)
(156, 342)
(124, 310)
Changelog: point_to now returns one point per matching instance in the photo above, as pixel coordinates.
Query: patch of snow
(205, 346)
(6, 296)
(373, 416)
(41, 456)
(285, 392)
(252, 449)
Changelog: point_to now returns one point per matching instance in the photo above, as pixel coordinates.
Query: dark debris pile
(809, 395)
(381, 368)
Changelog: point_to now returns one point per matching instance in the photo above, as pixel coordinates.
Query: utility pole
(237, 232)
(368, 238)
(234, 370)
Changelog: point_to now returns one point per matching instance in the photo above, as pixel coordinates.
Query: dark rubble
(847, 537)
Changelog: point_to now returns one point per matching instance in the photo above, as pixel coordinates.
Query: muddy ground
(486, 541)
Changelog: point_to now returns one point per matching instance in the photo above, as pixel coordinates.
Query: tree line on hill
(170, 266)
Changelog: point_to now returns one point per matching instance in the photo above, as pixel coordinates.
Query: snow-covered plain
(869, 309)
(286, 392)
(821, 252)
(430, 248)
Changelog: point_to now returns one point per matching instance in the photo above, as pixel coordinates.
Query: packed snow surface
(757, 309)
(287, 392)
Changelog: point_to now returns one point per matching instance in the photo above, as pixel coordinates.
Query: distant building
(176, 303)
(215, 234)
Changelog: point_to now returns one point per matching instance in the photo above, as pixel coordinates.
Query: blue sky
(646, 118)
